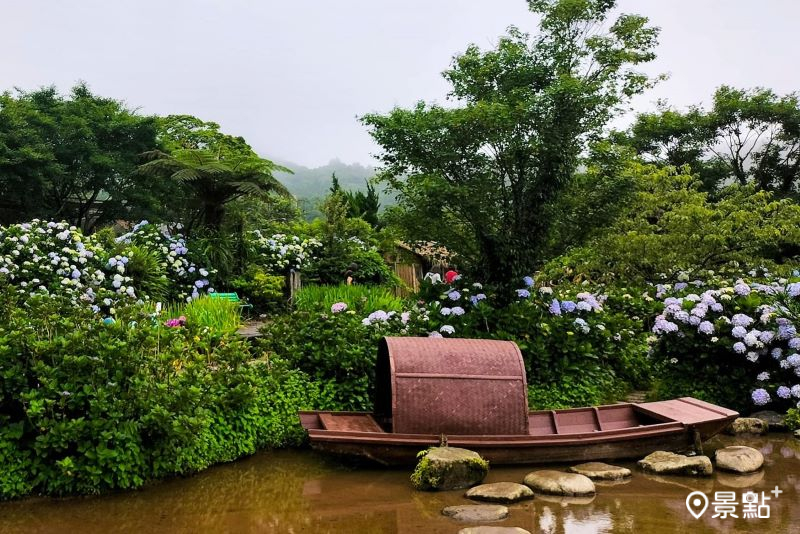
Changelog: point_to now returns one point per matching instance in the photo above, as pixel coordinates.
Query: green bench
(233, 297)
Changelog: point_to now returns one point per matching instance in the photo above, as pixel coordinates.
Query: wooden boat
(473, 394)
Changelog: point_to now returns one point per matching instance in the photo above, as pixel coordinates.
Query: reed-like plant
(220, 315)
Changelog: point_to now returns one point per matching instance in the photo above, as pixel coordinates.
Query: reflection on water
(299, 491)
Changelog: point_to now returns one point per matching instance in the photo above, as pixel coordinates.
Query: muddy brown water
(301, 491)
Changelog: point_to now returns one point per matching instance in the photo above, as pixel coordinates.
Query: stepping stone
(493, 530)
(739, 459)
(448, 468)
(669, 463)
(506, 492)
(601, 471)
(775, 421)
(476, 512)
(748, 425)
(559, 483)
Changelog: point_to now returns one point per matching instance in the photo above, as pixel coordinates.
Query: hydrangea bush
(279, 253)
(733, 342)
(186, 280)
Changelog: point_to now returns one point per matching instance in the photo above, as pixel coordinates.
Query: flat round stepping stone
(669, 463)
(559, 483)
(493, 530)
(500, 492)
(739, 459)
(748, 425)
(476, 512)
(601, 471)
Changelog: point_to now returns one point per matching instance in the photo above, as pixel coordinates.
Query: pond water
(300, 491)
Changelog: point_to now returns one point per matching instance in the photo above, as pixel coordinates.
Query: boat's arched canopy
(451, 386)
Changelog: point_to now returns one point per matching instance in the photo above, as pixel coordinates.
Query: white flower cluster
(279, 253)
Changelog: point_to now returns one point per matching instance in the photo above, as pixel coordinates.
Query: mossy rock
(448, 468)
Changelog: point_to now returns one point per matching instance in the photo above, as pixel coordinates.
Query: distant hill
(315, 183)
(311, 185)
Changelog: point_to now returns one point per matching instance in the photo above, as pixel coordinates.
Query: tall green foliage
(480, 174)
(72, 158)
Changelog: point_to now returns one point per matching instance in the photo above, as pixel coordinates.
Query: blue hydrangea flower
(784, 392)
(739, 347)
(457, 310)
(523, 293)
(447, 329)
(680, 286)
(766, 337)
(454, 295)
(762, 377)
(682, 316)
(555, 307)
(568, 306)
(793, 290)
(761, 397)
(793, 360)
(445, 311)
(716, 307)
(694, 320)
(796, 390)
(739, 332)
(777, 353)
(528, 281)
(794, 343)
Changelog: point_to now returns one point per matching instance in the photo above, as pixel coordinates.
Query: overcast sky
(292, 76)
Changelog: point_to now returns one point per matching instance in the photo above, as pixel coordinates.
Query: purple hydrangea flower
(584, 306)
(523, 293)
(457, 310)
(784, 392)
(786, 331)
(706, 327)
(695, 320)
(447, 329)
(568, 306)
(741, 289)
(761, 397)
(776, 353)
(762, 377)
(716, 307)
(796, 390)
(793, 290)
(338, 307)
(445, 311)
(766, 337)
(793, 360)
(555, 307)
(662, 326)
(454, 295)
(528, 281)
(741, 319)
(739, 347)
(682, 316)
(794, 343)
(680, 286)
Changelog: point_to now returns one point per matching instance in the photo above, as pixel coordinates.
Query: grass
(367, 299)
(217, 314)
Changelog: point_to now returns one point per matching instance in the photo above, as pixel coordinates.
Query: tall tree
(483, 172)
(79, 152)
(212, 180)
(746, 137)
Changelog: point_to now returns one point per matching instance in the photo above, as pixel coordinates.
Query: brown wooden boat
(473, 394)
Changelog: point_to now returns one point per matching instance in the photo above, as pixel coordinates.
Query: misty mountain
(310, 185)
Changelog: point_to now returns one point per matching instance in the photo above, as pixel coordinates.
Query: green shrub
(361, 298)
(263, 290)
(87, 407)
(793, 419)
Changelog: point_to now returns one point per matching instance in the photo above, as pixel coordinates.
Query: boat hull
(404, 453)
(613, 432)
